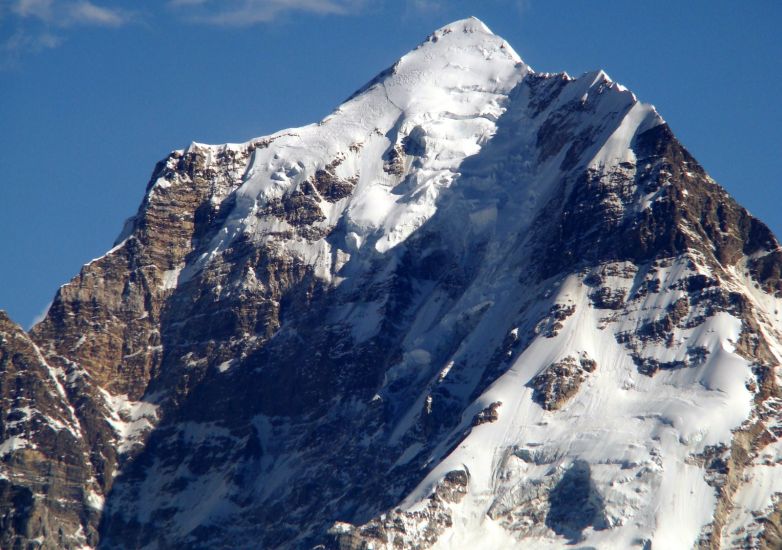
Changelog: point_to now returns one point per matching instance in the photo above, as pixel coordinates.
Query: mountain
(476, 306)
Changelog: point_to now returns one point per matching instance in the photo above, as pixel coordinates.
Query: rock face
(474, 307)
(560, 381)
(48, 485)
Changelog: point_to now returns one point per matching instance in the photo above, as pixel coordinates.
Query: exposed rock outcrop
(553, 387)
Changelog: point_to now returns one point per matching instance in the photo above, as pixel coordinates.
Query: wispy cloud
(40, 9)
(36, 25)
(21, 40)
(67, 13)
(87, 13)
(32, 26)
(250, 12)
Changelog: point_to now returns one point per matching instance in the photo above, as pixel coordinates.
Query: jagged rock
(606, 298)
(489, 414)
(553, 387)
(46, 480)
(394, 161)
(554, 321)
(419, 529)
(331, 187)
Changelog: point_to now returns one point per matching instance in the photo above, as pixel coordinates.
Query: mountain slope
(474, 307)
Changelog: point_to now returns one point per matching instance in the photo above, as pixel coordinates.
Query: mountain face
(475, 307)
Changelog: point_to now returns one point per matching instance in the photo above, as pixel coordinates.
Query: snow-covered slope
(474, 307)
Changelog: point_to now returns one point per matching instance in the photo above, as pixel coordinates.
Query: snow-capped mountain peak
(474, 307)
(414, 122)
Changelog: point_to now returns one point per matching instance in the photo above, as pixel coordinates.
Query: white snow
(111, 251)
(636, 432)
(639, 118)
(95, 500)
(225, 365)
(130, 419)
(14, 443)
(451, 90)
(170, 277)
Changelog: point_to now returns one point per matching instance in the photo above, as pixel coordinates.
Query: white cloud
(37, 25)
(87, 13)
(64, 13)
(250, 12)
(41, 9)
(21, 42)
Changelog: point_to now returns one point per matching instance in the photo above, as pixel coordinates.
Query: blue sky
(94, 92)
